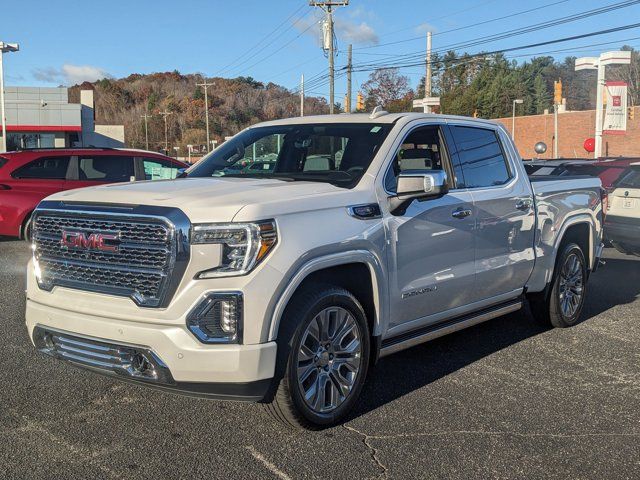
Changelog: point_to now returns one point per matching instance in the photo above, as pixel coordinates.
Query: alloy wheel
(571, 285)
(329, 359)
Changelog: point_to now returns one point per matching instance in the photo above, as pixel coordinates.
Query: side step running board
(415, 337)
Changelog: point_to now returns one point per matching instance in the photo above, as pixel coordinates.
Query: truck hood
(207, 199)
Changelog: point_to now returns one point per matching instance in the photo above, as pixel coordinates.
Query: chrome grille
(140, 265)
(145, 232)
(139, 363)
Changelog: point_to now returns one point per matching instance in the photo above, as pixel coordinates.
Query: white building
(44, 118)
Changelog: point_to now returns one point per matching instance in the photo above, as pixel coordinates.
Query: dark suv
(28, 176)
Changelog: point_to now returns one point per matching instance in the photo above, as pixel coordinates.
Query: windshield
(335, 153)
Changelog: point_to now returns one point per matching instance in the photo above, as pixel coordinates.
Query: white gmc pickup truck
(299, 252)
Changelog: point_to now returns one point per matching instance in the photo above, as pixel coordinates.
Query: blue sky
(67, 41)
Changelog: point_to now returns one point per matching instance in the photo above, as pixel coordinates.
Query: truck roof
(379, 117)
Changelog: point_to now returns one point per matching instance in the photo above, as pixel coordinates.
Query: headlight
(243, 245)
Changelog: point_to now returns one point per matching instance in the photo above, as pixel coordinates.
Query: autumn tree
(385, 87)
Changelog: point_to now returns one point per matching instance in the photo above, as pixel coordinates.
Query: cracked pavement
(505, 399)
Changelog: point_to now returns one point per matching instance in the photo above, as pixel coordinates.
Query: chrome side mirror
(418, 184)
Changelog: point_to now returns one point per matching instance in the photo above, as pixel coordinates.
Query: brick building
(573, 129)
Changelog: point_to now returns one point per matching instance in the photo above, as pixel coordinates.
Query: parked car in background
(28, 176)
(622, 226)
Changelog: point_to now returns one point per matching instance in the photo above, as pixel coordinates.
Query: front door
(431, 255)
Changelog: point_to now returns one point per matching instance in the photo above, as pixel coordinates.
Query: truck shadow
(397, 375)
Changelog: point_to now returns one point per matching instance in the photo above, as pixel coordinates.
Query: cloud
(47, 74)
(352, 32)
(347, 31)
(70, 74)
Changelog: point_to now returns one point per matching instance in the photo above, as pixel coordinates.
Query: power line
(259, 51)
(511, 33)
(262, 40)
(464, 10)
(281, 48)
(522, 12)
(511, 49)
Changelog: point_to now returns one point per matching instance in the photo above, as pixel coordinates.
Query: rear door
(505, 217)
(94, 169)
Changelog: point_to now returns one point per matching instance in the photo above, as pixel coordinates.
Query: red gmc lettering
(95, 241)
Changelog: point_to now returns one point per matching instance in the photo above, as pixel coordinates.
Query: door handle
(461, 213)
(524, 205)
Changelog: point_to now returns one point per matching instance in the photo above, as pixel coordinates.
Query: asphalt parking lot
(506, 399)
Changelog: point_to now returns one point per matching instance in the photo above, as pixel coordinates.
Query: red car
(28, 176)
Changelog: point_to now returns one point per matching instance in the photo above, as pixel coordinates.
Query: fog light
(228, 320)
(217, 318)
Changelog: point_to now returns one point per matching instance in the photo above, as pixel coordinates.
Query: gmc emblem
(95, 241)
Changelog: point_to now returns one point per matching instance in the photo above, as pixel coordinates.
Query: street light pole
(599, 63)
(513, 118)
(4, 48)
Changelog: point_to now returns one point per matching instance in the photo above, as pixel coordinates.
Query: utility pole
(328, 44)
(428, 101)
(206, 107)
(146, 130)
(302, 95)
(4, 48)
(165, 114)
(427, 77)
(349, 68)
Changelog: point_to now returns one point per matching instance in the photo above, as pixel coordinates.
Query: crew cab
(367, 234)
(28, 176)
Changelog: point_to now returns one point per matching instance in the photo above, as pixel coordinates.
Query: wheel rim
(571, 285)
(329, 359)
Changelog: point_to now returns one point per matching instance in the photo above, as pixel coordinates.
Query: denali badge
(419, 291)
(95, 241)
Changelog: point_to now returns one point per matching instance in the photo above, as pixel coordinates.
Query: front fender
(299, 272)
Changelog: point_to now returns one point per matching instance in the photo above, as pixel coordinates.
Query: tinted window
(105, 168)
(157, 169)
(481, 157)
(421, 150)
(46, 167)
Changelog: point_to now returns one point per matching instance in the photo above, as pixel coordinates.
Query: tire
(563, 304)
(336, 378)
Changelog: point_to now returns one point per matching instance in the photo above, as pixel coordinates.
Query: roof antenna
(378, 112)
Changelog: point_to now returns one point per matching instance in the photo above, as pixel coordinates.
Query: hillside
(233, 105)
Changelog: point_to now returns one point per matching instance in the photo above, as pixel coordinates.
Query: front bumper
(176, 360)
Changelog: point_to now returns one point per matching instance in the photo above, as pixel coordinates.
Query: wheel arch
(358, 271)
(23, 223)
